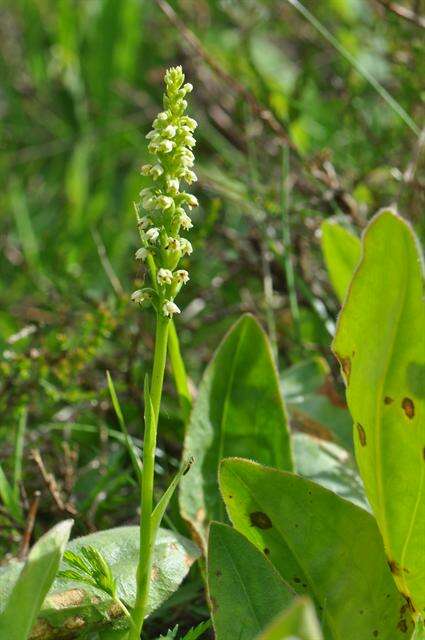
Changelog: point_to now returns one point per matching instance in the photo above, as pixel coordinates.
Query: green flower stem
(147, 540)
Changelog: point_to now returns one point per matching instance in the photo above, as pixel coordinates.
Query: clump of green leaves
(90, 566)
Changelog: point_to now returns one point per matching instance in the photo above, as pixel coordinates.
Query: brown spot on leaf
(297, 579)
(76, 622)
(408, 407)
(409, 604)
(266, 551)
(376, 633)
(346, 368)
(218, 573)
(260, 520)
(394, 567)
(65, 599)
(388, 400)
(362, 434)
(402, 625)
(200, 515)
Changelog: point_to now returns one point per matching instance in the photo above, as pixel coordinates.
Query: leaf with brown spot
(260, 520)
(383, 321)
(408, 407)
(336, 551)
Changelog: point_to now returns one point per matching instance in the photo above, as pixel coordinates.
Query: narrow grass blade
(130, 446)
(395, 106)
(19, 452)
(158, 512)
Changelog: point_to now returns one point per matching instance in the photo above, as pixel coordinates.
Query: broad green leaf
(68, 601)
(246, 592)
(380, 344)
(22, 604)
(341, 250)
(322, 545)
(239, 411)
(299, 622)
(329, 465)
(313, 403)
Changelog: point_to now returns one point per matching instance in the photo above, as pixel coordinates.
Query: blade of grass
(385, 95)
(130, 446)
(287, 247)
(159, 511)
(19, 452)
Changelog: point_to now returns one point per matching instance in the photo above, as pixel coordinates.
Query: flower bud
(146, 169)
(185, 246)
(173, 186)
(148, 203)
(143, 222)
(141, 295)
(169, 308)
(185, 221)
(152, 234)
(173, 244)
(189, 140)
(169, 131)
(191, 200)
(189, 176)
(156, 171)
(141, 254)
(164, 276)
(164, 202)
(165, 146)
(181, 275)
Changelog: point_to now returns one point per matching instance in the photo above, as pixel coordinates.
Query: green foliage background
(80, 85)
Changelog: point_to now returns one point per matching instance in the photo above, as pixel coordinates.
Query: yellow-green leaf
(380, 344)
(341, 250)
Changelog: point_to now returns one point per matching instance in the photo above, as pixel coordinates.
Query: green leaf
(341, 250)
(380, 344)
(196, 632)
(239, 411)
(313, 403)
(245, 590)
(298, 622)
(71, 600)
(164, 501)
(329, 465)
(25, 599)
(322, 545)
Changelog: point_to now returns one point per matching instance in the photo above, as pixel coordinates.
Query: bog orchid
(163, 209)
